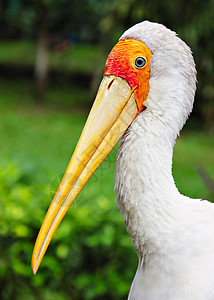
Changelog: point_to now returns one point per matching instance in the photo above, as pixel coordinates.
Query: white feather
(173, 234)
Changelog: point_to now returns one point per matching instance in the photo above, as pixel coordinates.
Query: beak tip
(34, 269)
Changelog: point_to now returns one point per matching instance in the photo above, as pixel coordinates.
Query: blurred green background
(52, 56)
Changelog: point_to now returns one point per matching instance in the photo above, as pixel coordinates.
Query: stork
(145, 97)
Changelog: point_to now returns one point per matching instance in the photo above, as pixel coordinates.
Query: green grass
(193, 150)
(17, 51)
(22, 95)
(76, 58)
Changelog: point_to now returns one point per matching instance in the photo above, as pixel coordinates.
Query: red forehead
(120, 61)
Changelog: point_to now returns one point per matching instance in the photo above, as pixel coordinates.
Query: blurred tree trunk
(41, 64)
(207, 179)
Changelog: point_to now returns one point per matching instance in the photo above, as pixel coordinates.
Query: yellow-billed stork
(146, 95)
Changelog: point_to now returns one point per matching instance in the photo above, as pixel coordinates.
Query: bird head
(145, 65)
(129, 59)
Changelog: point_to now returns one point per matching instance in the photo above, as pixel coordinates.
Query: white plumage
(173, 234)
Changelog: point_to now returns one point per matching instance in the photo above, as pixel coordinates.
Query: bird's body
(153, 72)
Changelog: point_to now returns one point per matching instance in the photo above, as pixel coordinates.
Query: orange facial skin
(121, 63)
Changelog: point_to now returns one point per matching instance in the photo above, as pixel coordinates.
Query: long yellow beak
(112, 112)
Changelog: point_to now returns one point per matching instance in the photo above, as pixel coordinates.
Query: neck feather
(146, 193)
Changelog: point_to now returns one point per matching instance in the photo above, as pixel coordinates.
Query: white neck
(147, 196)
(170, 232)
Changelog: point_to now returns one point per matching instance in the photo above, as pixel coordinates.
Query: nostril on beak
(110, 83)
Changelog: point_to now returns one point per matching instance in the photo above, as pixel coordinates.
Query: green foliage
(21, 18)
(90, 246)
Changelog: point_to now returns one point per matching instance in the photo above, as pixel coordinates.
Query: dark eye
(140, 62)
